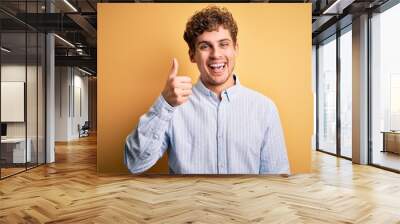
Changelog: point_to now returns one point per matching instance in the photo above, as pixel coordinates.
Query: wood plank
(70, 191)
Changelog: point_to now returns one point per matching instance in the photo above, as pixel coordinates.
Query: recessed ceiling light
(337, 7)
(64, 40)
(71, 6)
(5, 50)
(84, 71)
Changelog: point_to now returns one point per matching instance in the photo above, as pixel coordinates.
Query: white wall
(62, 78)
(71, 92)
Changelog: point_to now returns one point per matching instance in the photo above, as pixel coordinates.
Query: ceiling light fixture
(71, 6)
(5, 50)
(84, 71)
(64, 40)
(337, 7)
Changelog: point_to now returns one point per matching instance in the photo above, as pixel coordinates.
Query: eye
(203, 46)
(224, 44)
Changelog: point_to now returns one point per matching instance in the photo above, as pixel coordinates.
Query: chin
(219, 80)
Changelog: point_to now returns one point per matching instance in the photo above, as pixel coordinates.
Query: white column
(360, 90)
(50, 110)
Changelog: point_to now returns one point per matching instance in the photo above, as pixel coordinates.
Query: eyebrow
(207, 42)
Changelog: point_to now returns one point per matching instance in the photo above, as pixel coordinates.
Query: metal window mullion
(46, 74)
(26, 87)
(37, 91)
(45, 95)
(369, 90)
(73, 91)
(338, 98)
(317, 96)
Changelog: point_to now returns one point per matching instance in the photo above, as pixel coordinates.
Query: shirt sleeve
(148, 142)
(274, 158)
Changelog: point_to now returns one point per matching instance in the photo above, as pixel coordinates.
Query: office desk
(13, 150)
(391, 141)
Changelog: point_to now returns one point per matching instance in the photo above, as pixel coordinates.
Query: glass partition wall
(334, 101)
(334, 86)
(345, 62)
(385, 89)
(22, 87)
(327, 95)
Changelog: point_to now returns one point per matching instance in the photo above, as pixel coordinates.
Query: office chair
(84, 130)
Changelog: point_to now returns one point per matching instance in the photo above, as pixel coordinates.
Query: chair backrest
(86, 125)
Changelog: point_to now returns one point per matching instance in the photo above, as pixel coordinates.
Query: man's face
(214, 55)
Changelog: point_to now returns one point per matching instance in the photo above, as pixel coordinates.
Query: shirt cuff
(163, 109)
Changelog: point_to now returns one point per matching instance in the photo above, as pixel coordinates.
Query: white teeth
(221, 65)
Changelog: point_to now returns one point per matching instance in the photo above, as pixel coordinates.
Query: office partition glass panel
(32, 95)
(32, 83)
(346, 93)
(41, 97)
(14, 153)
(327, 95)
(385, 88)
(22, 61)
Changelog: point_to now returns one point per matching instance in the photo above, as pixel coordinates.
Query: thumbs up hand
(177, 88)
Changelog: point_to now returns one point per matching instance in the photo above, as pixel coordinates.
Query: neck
(218, 89)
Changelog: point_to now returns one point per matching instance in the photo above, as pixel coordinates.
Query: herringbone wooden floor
(70, 191)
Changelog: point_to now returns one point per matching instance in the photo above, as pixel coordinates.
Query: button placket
(155, 136)
(220, 138)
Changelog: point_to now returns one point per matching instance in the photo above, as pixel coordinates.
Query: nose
(216, 53)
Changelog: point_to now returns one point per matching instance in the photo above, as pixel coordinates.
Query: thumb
(174, 68)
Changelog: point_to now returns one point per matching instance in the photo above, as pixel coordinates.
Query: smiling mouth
(217, 67)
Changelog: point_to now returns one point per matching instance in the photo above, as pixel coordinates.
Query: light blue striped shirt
(239, 134)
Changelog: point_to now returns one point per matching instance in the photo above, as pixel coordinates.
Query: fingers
(177, 92)
(183, 79)
(173, 74)
(182, 99)
(185, 92)
(183, 86)
(182, 82)
(174, 69)
(177, 88)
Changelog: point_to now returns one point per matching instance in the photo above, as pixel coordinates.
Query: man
(216, 127)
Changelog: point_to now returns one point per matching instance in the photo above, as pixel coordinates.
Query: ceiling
(76, 22)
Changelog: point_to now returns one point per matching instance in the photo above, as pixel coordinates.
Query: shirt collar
(229, 92)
